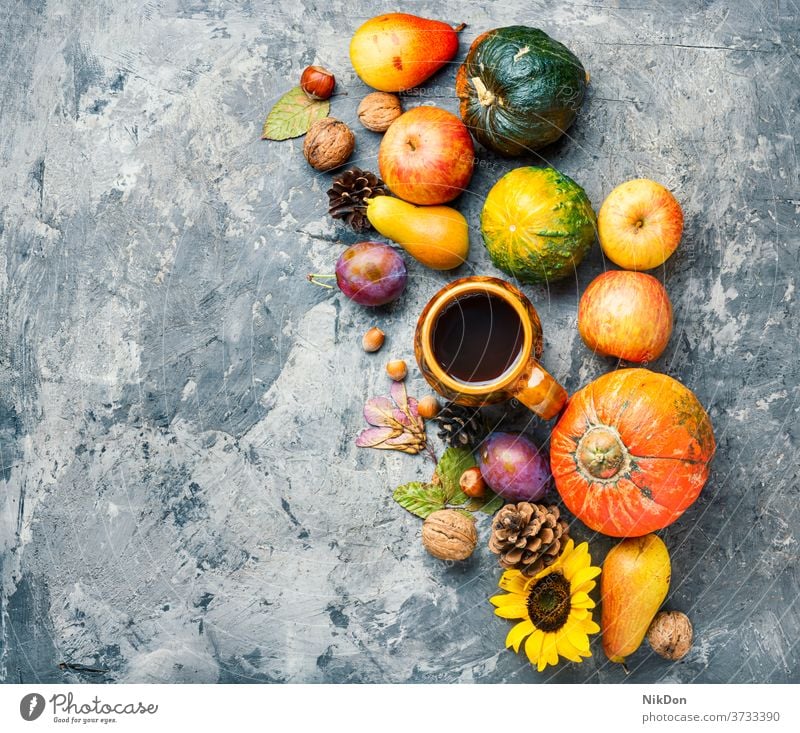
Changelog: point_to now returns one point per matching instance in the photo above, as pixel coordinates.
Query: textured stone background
(181, 498)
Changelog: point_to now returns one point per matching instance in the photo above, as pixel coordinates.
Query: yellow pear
(633, 585)
(397, 51)
(436, 236)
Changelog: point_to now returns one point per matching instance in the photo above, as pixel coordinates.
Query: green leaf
(459, 498)
(420, 499)
(452, 464)
(292, 115)
(491, 506)
(489, 503)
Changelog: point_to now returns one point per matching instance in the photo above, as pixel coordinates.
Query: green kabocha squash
(519, 89)
(537, 224)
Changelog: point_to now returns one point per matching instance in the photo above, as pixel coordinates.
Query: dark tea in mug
(477, 337)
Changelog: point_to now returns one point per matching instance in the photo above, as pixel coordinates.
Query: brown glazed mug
(523, 379)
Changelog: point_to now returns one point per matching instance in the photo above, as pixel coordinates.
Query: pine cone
(461, 427)
(528, 537)
(347, 197)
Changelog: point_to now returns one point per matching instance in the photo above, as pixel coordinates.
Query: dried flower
(396, 423)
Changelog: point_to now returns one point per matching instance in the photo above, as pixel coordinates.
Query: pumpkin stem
(460, 27)
(601, 453)
(485, 97)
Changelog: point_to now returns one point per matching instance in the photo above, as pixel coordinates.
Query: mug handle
(539, 392)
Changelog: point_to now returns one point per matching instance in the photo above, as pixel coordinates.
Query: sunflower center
(549, 602)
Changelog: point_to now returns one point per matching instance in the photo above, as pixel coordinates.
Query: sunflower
(554, 606)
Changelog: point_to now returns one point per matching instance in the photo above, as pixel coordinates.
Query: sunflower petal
(580, 614)
(565, 648)
(568, 548)
(578, 637)
(549, 649)
(506, 599)
(581, 600)
(584, 574)
(583, 547)
(533, 646)
(590, 627)
(586, 587)
(512, 610)
(518, 633)
(513, 581)
(577, 560)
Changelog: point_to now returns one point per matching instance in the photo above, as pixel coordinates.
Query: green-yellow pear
(633, 585)
(436, 236)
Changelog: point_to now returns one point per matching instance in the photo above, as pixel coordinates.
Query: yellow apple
(639, 225)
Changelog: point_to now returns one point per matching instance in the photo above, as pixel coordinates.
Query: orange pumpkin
(630, 453)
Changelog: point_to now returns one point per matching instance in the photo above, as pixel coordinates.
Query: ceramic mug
(523, 379)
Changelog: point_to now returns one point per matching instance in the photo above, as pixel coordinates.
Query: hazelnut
(329, 143)
(397, 370)
(670, 635)
(373, 339)
(449, 535)
(378, 110)
(472, 483)
(317, 83)
(428, 407)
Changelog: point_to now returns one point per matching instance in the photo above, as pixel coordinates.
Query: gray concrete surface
(182, 500)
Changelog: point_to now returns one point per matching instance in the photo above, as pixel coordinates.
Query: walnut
(378, 110)
(449, 535)
(670, 634)
(329, 143)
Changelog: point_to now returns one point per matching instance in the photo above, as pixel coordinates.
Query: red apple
(627, 315)
(639, 224)
(426, 156)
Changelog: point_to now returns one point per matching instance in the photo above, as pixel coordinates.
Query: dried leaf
(292, 115)
(420, 499)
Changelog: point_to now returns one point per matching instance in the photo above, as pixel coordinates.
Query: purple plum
(371, 273)
(514, 467)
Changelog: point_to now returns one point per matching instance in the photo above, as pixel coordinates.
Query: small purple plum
(371, 273)
(514, 467)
